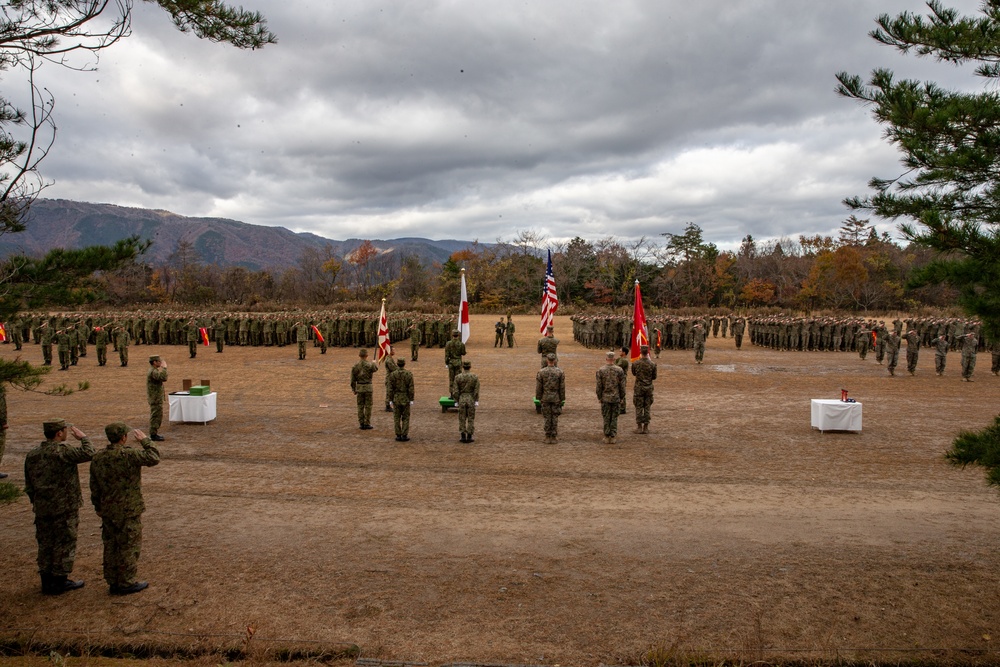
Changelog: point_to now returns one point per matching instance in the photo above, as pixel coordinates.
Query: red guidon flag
(640, 336)
(3, 332)
(463, 312)
(318, 335)
(204, 335)
(382, 351)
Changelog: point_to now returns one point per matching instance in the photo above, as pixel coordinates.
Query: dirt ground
(733, 528)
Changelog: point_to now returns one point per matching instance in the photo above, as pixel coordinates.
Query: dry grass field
(732, 529)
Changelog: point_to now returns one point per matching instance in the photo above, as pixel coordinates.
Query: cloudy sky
(475, 120)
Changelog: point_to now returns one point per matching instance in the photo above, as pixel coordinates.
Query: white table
(186, 408)
(835, 415)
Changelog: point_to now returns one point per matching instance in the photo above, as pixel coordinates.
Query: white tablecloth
(192, 408)
(835, 415)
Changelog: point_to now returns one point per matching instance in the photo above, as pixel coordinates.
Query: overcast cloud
(474, 120)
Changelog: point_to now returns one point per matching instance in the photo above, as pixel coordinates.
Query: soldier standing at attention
(739, 326)
(191, 331)
(467, 388)
(610, 392)
(116, 491)
(390, 367)
(48, 333)
(622, 363)
(361, 385)
(62, 344)
(970, 346)
(548, 344)
(122, 341)
(698, 335)
(219, 329)
(510, 332)
(415, 341)
(644, 371)
(301, 336)
(101, 345)
(154, 393)
(454, 350)
(550, 390)
(52, 484)
(401, 386)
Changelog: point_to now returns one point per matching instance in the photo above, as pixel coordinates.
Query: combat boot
(131, 588)
(59, 584)
(463, 438)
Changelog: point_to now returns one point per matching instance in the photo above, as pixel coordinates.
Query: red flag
(3, 333)
(640, 336)
(382, 351)
(204, 335)
(319, 336)
(550, 302)
(463, 312)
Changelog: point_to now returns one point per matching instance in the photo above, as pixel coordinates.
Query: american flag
(550, 302)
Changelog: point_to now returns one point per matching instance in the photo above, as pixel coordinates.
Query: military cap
(644, 348)
(454, 334)
(466, 364)
(363, 353)
(116, 431)
(551, 356)
(609, 354)
(55, 424)
(550, 328)
(401, 362)
(154, 357)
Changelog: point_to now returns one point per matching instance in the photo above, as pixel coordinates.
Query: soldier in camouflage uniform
(622, 363)
(47, 334)
(970, 346)
(390, 368)
(610, 392)
(116, 491)
(122, 341)
(510, 333)
(101, 345)
(301, 336)
(52, 484)
(401, 387)
(62, 345)
(154, 392)
(467, 388)
(940, 344)
(698, 335)
(550, 391)
(361, 385)
(644, 371)
(453, 353)
(415, 337)
(548, 344)
(912, 350)
(892, 351)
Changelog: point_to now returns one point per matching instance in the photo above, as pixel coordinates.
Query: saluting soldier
(361, 385)
(467, 388)
(154, 394)
(116, 492)
(52, 483)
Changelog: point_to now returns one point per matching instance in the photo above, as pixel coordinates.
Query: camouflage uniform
(698, 335)
(116, 491)
(301, 336)
(121, 342)
(546, 345)
(912, 350)
(467, 388)
(622, 363)
(610, 392)
(390, 368)
(510, 332)
(415, 337)
(361, 385)
(454, 350)
(644, 371)
(940, 344)
(550, 391)
(101, 345)
(970, 346)
(401, 387)
(53, 486)
(892, 352)
(154, 393)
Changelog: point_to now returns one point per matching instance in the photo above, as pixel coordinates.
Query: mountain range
(59, 223)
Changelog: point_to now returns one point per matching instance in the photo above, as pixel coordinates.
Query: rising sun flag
(640, 335)
(382, 350)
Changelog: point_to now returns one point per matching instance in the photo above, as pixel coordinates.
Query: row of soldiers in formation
(336, 329)
(666, 332)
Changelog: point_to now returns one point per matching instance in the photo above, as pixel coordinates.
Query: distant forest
(857, 271)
